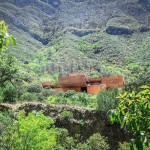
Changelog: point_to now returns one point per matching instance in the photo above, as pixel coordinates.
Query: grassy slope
(77, 37)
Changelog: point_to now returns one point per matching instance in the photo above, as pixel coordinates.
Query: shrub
(69, 93)
(51, 100)
(107, 100)
(66, 115)
(95, 142)
(5, 118)
(82, 146)
(32, 132)
(60, 94)
(10, 80)
(63, 140)
(48, 92)
(29, 97)
(126, 146)
(133, 113)
(5, 39)
(73, 98)
(81, 99)
(40, 97)
(34, 88)
(10, 92)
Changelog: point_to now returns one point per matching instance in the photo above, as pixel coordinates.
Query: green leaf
(7, 42)
(12, 39)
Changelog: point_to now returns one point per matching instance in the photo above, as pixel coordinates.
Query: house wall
(76, 81)
(77, 74)
(72, 81)
(95, 89)
(113, 81)
(94, 80)
(77, 89)
(46, 84)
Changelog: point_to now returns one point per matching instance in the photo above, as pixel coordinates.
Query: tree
(8, 71)
(95, 142)
(9, 77)
(133, 113)
(107, 100)
(34, 132)
(5, 38)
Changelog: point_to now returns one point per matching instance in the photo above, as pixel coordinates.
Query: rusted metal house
(80, 83)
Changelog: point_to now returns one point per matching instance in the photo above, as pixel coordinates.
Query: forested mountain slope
(99, 37)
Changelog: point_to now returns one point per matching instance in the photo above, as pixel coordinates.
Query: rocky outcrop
(144, 29)
(81, 33)
(5, 107)
(54, 3)
(118, 31)
(146, 3)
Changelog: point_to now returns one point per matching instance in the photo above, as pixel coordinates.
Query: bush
(66, 115)
(29, 97)
(10, 93)
(60, 94)
(63, 140)
(126, 146)
(133, 113)
(48, 92)
(9, 78)
(34, 88)
(83, 99)
(73, 98)
(51, 100)
(107, 100)
(69, 93)
(32, 132)
(95, 142)
(83, 146)
(40, 97)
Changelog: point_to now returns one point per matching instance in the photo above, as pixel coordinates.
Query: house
(80, 83)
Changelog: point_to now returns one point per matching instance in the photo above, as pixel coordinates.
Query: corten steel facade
(80, 83)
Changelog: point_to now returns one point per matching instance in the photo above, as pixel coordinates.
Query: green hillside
(47, 39)
(99, 37)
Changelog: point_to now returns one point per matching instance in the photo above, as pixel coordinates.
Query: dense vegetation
(56, 37)
(67, 35)
(133, 113)
(37, 132)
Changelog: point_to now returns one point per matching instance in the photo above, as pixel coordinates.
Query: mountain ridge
(114, 34)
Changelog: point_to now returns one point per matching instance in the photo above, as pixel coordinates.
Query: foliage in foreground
(133, 113)
(95, 142)
(37, 132)
(32, 132)
(7, 69)
(126, 146)
(5, 38)
(9, 78)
